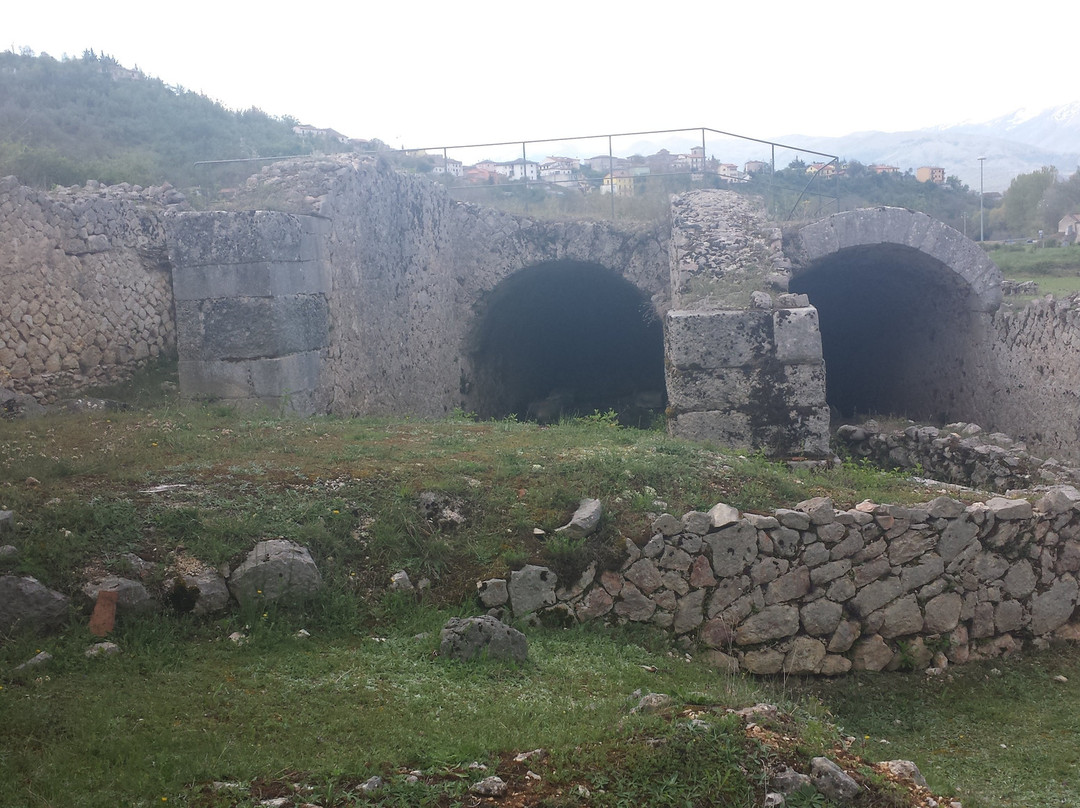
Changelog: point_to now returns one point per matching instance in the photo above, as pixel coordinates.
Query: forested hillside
(64, 122)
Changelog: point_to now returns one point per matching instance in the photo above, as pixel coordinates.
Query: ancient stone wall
(85, 287)
(743, 368)
(960, 454)
(813, 590)
(1031, 386)
(252, 307)
(412, 271)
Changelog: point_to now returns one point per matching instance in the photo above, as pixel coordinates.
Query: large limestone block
(733, 549)
(797, 336)
(707, 340)
(28, 605)
(252, 327)
(1054, 606)
(485, 637)
(201, 239)
(771, 623)
(131, 596)
(794, 385)
(275, 570)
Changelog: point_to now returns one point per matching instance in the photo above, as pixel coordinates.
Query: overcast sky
(424, 73)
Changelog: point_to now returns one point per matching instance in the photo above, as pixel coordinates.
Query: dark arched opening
(566, 338)
(897, 330)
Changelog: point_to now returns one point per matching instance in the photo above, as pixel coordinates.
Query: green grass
(1055, 269)
(182, 707)
(1001, 733)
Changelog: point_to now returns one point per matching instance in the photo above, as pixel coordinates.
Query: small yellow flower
(336, 511)
(155, 444)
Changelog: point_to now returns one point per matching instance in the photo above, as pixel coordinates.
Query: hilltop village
(607, 173)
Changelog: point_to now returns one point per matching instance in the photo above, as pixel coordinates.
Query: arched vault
(904, 302)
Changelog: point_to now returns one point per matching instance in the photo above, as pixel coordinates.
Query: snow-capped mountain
(1013, 144)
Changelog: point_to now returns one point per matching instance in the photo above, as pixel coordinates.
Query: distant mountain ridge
(1018, 143)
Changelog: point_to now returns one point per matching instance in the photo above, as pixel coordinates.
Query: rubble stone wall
(85, 287)
(813, 590)
(1031, 385)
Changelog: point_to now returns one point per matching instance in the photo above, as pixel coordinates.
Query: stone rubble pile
(814, 590)
(276, 570)
(960, 454)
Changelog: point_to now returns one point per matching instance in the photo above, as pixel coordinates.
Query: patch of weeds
(807, 796)
(177, 525)
(679, 765)
(567, 556)
(63, 536)
(515, 558)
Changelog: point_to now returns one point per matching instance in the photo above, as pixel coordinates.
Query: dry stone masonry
(814, 590)
(85, 286)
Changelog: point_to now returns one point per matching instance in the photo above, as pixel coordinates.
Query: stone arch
(566, 337)
(904, 303)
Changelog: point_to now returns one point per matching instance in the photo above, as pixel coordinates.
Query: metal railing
(785, 197)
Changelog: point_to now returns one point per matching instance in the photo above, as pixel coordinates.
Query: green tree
(1023, 212)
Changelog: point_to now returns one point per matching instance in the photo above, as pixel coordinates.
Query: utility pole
(981, 161)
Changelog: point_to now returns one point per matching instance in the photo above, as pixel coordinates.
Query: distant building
(447, 165)
(728, 172)
(559, 170)
(824, 169)
(755, 166)
(1069, 224)
(930, 174)
(313, 131)
(604, 162)
(513, 170)
(697, 159)
(619, 182)
(879, 169)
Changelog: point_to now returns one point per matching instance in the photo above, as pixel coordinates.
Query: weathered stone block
(797, 335)
(805, 657)
(531, 587)
(902, 617)
(771, 623)
(871, 654)
(821, 617)
(1053, 607)
(733, 549)
(788, 587)
(709, 340)
(943, 613)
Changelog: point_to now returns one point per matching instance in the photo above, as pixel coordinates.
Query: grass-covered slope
(312, 718)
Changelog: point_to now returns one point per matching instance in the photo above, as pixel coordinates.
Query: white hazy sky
(425, 73)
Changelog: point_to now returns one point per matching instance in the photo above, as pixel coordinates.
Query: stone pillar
(748, 378)
(743, 368)
(252, 313)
